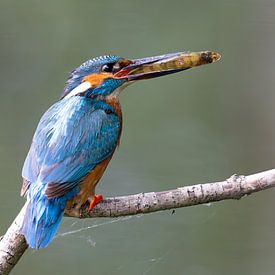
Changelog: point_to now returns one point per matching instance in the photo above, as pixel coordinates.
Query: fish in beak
(151, 67)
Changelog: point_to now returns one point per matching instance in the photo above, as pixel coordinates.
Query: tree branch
(13, 244)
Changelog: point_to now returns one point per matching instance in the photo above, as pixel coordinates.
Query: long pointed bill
(151, 67)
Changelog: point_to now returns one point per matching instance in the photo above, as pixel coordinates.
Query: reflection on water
(196, 126)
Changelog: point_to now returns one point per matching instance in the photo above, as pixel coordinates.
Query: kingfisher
(78, 135)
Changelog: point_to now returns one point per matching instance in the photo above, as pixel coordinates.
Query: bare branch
(13, 244)
(233, 188)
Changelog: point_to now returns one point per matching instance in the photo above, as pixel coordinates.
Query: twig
(13, 244)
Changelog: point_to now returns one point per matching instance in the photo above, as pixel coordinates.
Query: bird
(77, 136)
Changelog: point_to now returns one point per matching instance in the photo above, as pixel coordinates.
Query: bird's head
(106, 75)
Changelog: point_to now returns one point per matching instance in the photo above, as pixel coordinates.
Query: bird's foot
(95, 200)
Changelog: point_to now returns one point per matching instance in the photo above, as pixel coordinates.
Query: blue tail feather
(41, 221)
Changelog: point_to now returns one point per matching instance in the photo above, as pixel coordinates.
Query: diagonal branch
(13, 244)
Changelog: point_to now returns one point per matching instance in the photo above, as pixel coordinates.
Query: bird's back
(72, 138)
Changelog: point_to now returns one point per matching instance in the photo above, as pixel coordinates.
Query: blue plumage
(75, 135)
(76, 138)
(72, 137)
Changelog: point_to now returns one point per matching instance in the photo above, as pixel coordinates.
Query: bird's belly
(87, 187)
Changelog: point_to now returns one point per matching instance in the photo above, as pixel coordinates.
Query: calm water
(200, 125)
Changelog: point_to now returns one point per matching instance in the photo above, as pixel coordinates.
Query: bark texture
(13, 244)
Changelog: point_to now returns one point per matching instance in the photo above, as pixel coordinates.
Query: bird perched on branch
(76, 138)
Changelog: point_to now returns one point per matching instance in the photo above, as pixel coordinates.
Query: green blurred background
(200, 125)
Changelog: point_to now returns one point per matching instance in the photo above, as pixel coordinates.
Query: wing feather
(72, 137)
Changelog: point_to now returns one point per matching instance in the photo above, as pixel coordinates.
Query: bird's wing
(73, 136)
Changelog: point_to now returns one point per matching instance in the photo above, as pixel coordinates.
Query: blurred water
(200, 125)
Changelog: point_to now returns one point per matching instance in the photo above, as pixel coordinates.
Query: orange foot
(97, 198)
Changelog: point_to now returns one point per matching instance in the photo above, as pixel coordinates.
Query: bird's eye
(108, 68)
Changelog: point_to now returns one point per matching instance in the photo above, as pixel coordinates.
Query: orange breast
(87, 186)
(114, 102)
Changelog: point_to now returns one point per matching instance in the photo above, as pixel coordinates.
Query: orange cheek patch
(97, 79)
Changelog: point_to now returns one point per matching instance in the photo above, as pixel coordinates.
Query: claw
(96, 199)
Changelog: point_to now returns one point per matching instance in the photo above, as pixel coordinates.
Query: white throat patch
(84, 86)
